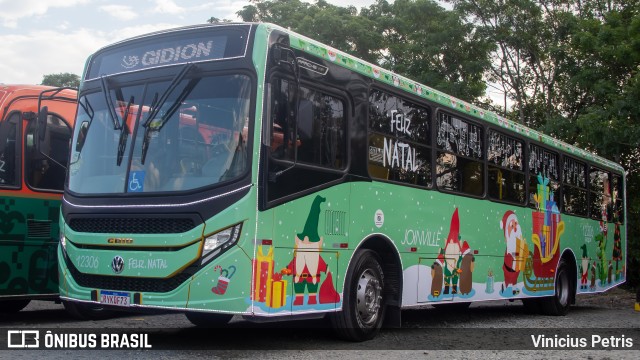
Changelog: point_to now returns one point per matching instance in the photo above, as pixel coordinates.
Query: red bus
(32, 173)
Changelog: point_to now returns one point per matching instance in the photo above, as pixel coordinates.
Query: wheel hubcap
(369, 297)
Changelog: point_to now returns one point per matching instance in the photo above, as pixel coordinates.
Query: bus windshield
(166, 136)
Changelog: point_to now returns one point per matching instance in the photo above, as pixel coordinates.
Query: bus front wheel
(87, 311)
(208, 319)
(363, 299)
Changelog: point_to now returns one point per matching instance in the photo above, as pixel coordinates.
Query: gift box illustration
(276, 291)
(263, 272)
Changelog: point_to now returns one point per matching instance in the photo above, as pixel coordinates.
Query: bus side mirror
(82, 135)
(41, 126)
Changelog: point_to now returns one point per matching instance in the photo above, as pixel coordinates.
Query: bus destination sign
(140, 55)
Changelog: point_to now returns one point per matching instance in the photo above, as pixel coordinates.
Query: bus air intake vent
(38, 229)
(132, 225)
(123, 283)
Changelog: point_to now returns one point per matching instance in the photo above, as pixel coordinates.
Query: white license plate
(115, 298)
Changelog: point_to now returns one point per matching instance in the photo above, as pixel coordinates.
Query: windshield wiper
(174, 83)
(110, 106)
(157, 105)
(124, 132)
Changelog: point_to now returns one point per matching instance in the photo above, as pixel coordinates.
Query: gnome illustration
(584, 267)
(452, 256)
(436, 276)
(307, 264)
(466, 266)
(514, 239)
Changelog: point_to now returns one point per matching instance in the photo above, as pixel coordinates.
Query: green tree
(530, 38)
(432, 45)
(415, 38)
(601, 100)
(335, 26)
(61, 80)
(215, 20)
(603, 85)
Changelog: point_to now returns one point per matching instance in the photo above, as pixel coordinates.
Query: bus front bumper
(223, 285)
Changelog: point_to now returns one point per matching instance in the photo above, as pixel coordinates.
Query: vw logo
(117, 264)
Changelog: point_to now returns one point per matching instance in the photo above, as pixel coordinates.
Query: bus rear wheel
(558, 305)
(208, 319)
(363, 301)
(12, 306)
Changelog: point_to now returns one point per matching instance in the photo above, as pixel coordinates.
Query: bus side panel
(416, 221)
(496, 257)
(299, 272)
(599, 250)
(28, 246)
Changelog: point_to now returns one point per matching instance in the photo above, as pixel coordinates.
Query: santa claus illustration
(512, 255)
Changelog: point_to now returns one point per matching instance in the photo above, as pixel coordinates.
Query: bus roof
(16, 90)
(377, 73)
(9, 92)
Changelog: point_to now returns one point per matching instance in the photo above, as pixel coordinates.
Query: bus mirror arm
(41, 131)
(285, 55)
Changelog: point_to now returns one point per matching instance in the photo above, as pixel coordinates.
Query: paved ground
(493, 330)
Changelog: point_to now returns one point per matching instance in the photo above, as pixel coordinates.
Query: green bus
(244, 169)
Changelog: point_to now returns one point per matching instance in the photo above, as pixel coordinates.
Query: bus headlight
(63, 241)
(220, 241)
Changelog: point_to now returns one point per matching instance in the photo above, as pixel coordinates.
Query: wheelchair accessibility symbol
(136, 181)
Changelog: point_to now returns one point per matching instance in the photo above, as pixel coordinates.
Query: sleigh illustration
(548, 228)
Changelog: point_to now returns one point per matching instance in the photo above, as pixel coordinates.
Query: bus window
(9, 150)
(399, 140)
(46, 170)
(599, 194)
(574, 187)
(616, 197)
(459, 161)
(543, 166)
(506, 168)
(321, 127)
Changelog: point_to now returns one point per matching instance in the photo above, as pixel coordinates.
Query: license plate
(115, 298)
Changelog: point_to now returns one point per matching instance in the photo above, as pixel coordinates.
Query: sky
(40, 37)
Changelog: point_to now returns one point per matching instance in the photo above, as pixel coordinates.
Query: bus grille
(132, 225)
(38, 229)
(104, 282)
